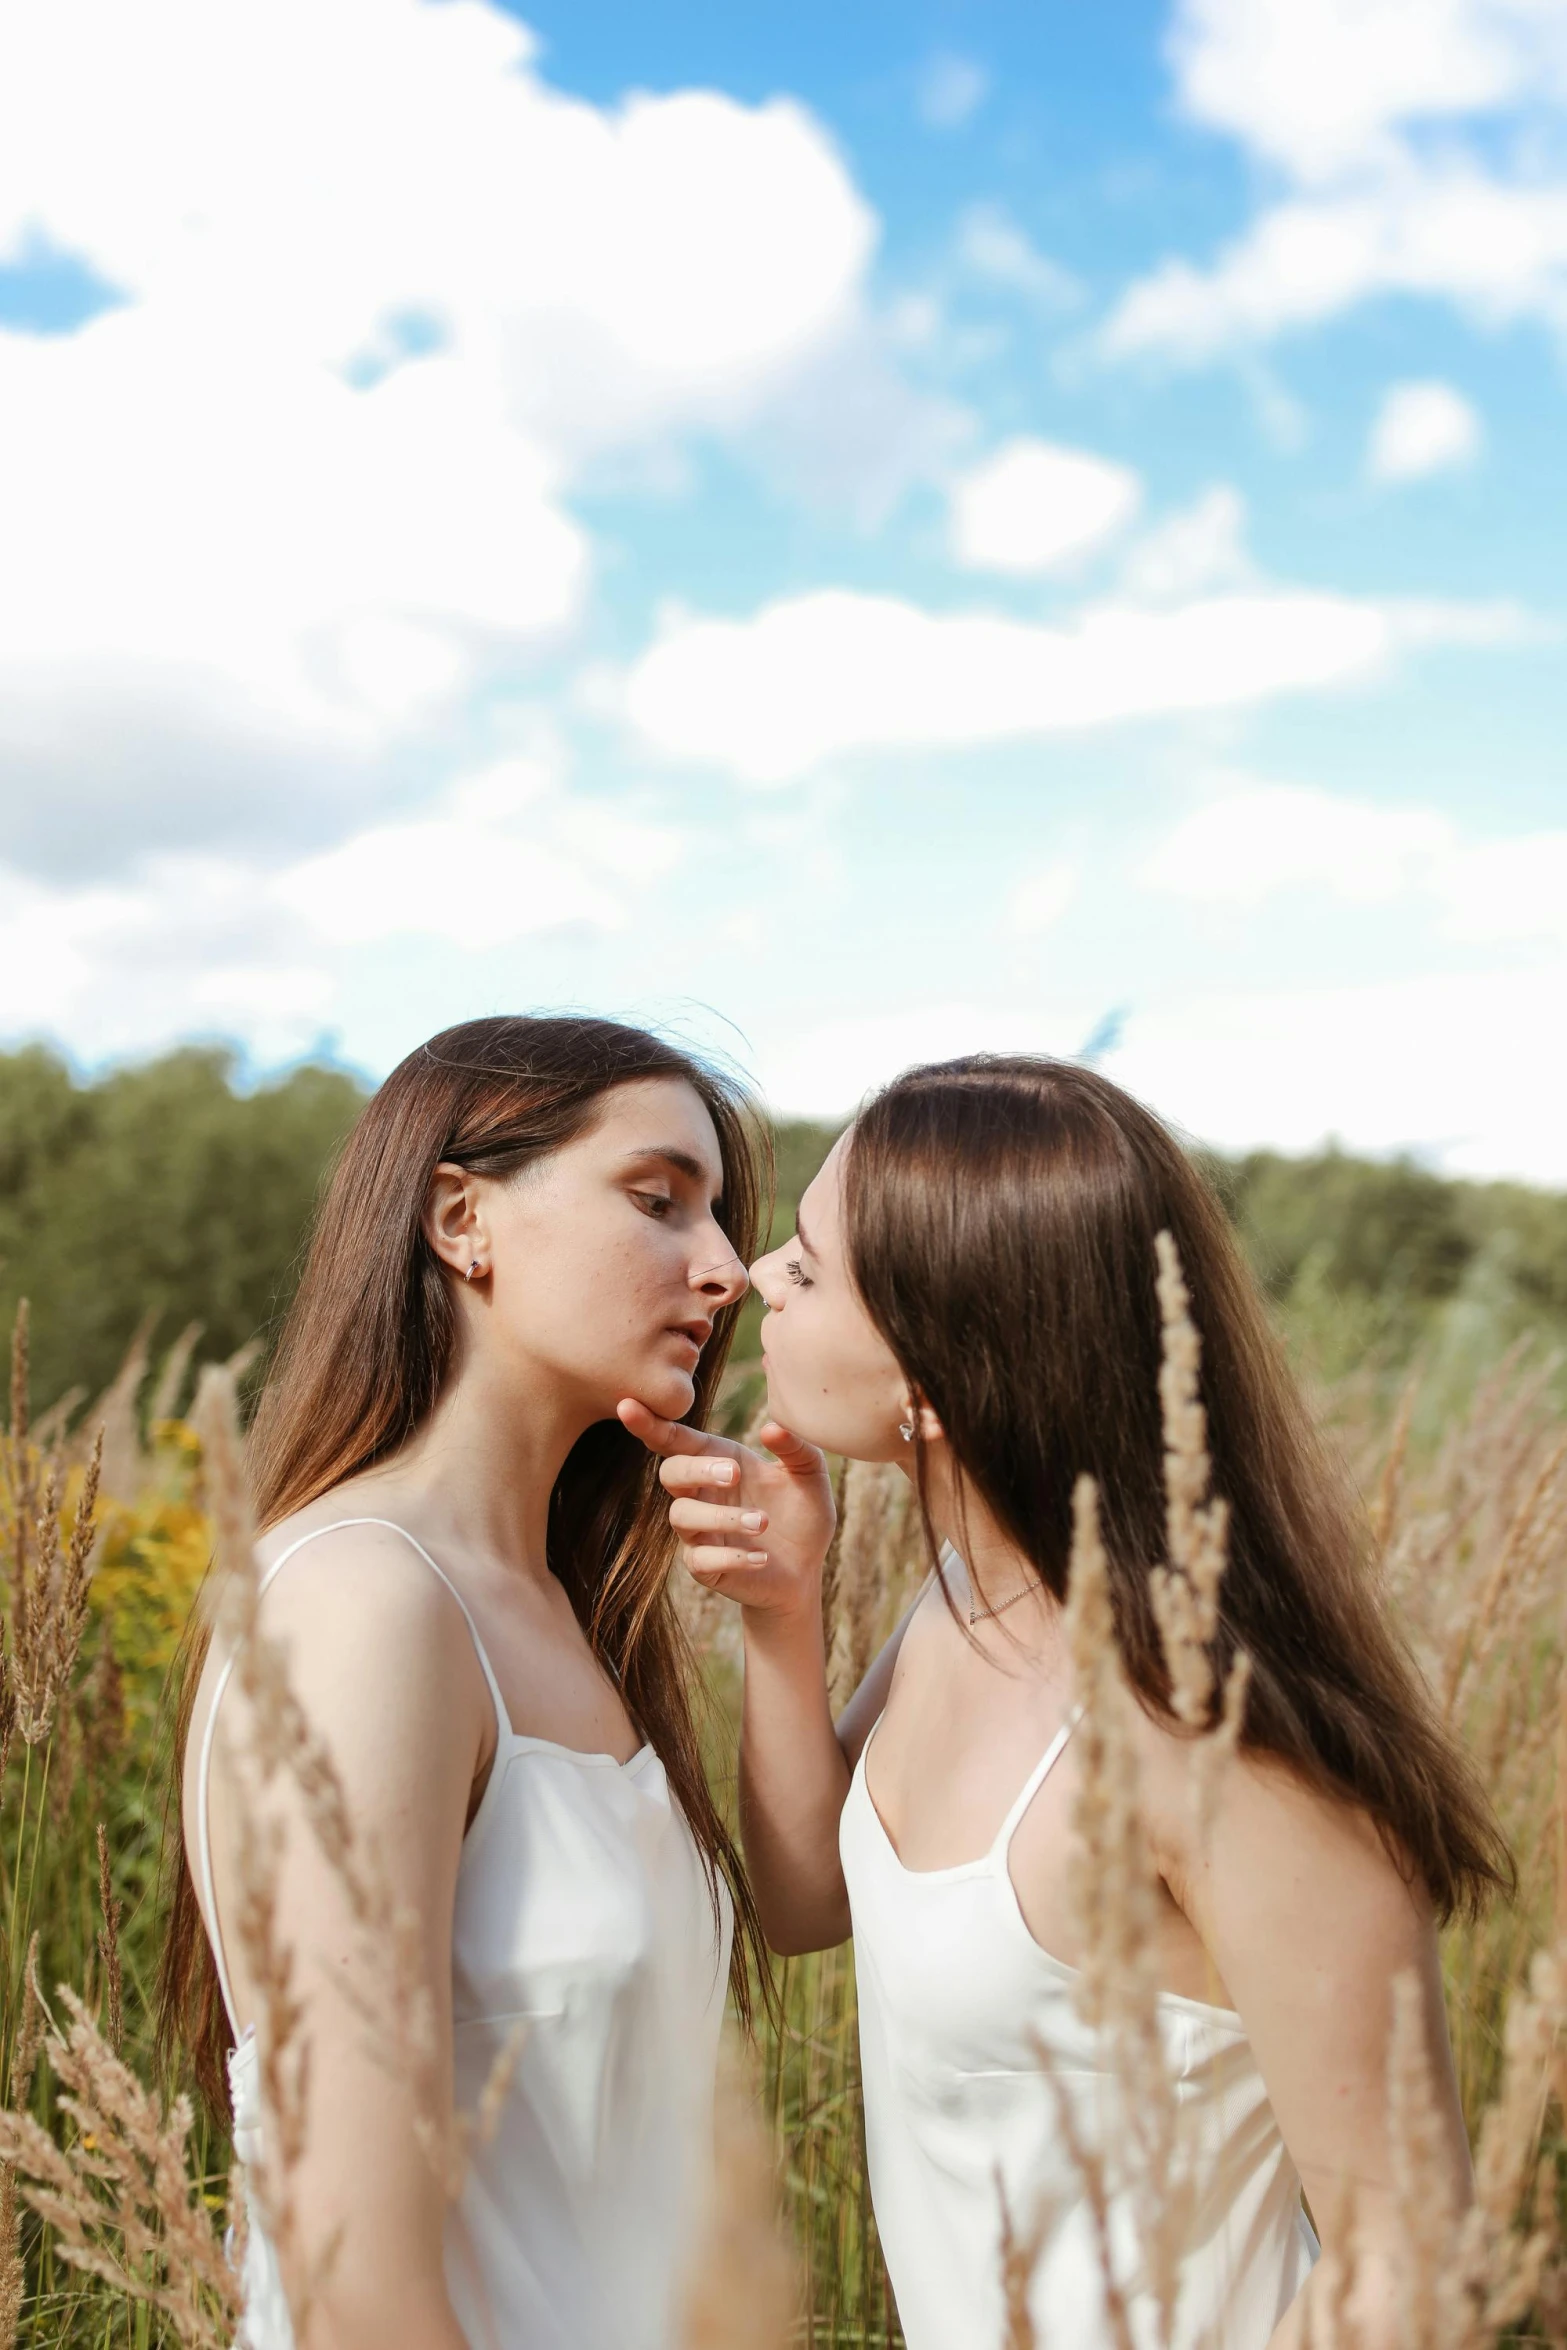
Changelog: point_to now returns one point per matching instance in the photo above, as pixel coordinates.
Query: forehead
(819, 1200)
(657, 1113)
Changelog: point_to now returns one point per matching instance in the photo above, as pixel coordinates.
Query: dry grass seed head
(122, 2202)
(109, 1944)
(1115, 1896)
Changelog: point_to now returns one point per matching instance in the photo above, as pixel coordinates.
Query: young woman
(971, 1293)
(532, 1219)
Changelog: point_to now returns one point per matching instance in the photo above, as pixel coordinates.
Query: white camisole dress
(582, 1908)
(960, 2009)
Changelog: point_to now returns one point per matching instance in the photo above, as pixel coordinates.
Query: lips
(695, 1334)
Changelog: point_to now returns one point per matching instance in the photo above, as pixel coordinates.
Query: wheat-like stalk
(1114, 1890)
(112, 1911)
(1186, 1590)
(49, 1590)
(121, 2202)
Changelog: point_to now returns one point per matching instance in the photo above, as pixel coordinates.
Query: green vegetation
(157, 1193)
(165, 1192)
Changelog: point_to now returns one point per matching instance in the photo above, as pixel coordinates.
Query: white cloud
(1448, 231)
(1033, 507)
(951, 90)
(506, 853)
(1421, 429)
(1389, 121)
(1459, 1066)
(1038, 902)
(385, 293)
(1251, 844)
(814, 677)
(1321, 85)
(992, 246)
(198, 941)
(825, 1070)
(1202, 546)
(1262, 841)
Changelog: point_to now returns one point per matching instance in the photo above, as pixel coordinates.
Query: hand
(753, 1527)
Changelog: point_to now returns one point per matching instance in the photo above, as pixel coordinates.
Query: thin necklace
(977, 1615)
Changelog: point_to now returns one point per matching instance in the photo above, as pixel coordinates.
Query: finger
(698, 1473)
(790, 1451)
(711, 1561)
(662, 1436)
(706, 1517)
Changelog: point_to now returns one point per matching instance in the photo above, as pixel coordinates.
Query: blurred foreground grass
(1463, 1466)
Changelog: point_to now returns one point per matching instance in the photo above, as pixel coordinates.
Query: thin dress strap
(204, 1764)
(1032, 1784)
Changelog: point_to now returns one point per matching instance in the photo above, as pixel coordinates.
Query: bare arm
(381, 1661)
(789, 1814)
(794, 1764)
(1311, 1926)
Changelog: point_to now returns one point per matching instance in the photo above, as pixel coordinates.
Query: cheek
(583, 1293)
(829, 1386)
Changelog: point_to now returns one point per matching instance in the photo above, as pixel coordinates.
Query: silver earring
(472, 1269)
(906, 1429)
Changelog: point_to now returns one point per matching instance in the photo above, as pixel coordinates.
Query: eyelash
(653, 1203)
(796, 1272)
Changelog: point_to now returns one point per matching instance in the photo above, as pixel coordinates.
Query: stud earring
(472, 1269)
(906, 1429)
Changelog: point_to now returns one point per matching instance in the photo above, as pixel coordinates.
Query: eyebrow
(683, 1162)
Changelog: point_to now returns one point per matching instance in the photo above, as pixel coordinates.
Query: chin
(669, 1393)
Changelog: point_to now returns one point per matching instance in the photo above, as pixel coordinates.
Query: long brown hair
(1001, 1217)
(366, 1350)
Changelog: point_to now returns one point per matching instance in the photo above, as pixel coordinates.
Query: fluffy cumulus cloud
(1448, 1063)
(1032, 507)
(1453, 1063)
(1420, 429)
(1256, 842)
(380, 294)
(814, 677)
(1412, 145)
(1200, 546)
(188, 941)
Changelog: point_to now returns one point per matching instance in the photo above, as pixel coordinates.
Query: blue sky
(856, 535)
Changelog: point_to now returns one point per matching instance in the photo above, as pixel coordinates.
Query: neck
(484, 1464)
(998, 1571)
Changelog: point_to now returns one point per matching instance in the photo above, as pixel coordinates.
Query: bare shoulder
(366, 1623)
(1258, 1821)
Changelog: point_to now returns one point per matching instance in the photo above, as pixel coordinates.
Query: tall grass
(114, 2196)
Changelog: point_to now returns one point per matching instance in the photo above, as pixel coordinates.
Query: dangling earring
(472, 1269)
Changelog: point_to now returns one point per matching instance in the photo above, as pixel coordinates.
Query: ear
(931, 1429)
(453, 1221)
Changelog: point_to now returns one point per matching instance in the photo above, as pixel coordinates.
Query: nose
(721, 1284)
(765, 1280)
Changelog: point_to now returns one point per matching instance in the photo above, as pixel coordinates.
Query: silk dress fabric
(584, 1913)
(961, 2015)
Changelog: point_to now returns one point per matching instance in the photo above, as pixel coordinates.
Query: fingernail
(753, 1520)
(756, 1558)
(724, 1474)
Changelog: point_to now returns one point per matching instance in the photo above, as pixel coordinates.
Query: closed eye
(795, 1272)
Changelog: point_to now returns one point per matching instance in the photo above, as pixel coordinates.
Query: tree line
(170, 1193)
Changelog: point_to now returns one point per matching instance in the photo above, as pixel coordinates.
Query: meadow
(115, 2192)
